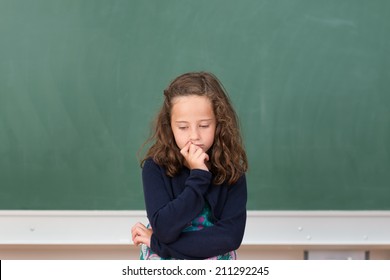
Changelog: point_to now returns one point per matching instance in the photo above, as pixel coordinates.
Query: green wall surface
(81, 81)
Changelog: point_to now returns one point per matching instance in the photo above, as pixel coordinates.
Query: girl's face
(193, 120)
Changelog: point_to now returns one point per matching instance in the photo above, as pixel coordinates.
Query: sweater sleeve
(224, 236)
(169, 217)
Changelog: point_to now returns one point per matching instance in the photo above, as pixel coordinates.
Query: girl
(194, 175)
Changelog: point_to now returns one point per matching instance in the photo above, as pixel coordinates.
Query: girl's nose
(194, 134)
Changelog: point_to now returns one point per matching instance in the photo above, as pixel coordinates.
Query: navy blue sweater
(172, 203)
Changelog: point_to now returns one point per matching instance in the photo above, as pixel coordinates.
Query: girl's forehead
(194, 100)
(190, 97)
(192, 106)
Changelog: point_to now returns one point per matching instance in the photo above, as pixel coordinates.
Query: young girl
(194, 175)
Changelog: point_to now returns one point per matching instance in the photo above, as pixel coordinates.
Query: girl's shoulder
(151, 166)
(149, 163)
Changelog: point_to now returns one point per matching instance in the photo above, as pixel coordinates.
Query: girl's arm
(226, 234)
(169, 217)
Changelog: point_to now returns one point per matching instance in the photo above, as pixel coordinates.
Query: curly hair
(227, 155)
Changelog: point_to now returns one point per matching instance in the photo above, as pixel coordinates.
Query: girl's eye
(182, 127)
(204, 126)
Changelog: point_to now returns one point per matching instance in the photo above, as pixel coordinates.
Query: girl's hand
(195, 157)
(141, 234)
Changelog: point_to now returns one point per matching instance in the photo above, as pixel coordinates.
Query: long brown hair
(227, 155)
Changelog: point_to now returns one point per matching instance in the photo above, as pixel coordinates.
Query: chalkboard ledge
(306, 228)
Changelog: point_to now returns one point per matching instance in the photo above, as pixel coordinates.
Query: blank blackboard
(81, 81)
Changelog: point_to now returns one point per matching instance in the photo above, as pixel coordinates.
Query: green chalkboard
(81, 80)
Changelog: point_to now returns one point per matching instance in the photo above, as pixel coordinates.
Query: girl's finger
(191, 150)
(139, 240)
(136, 234)
(137, 229)
(141, 235)
(184, 151)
